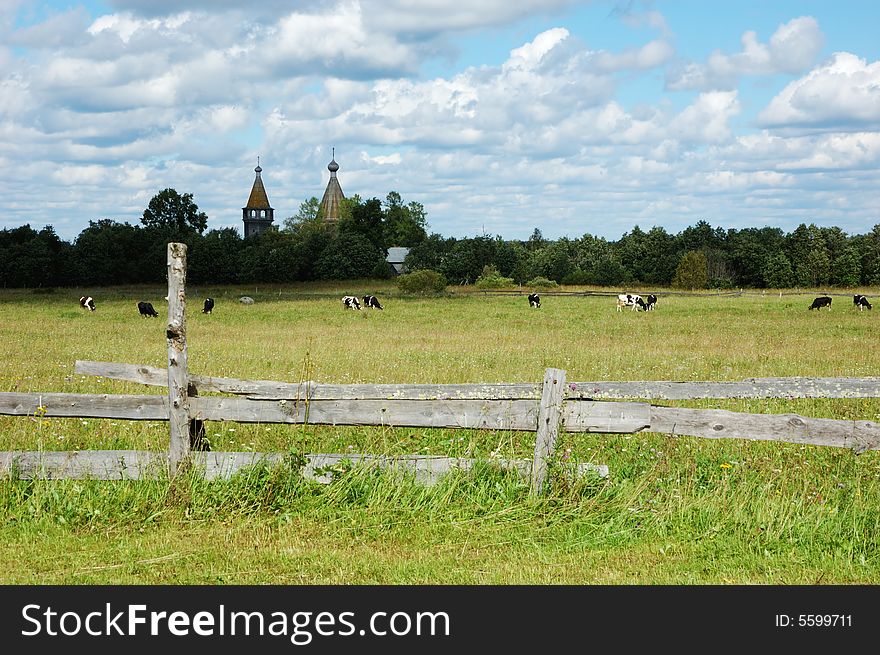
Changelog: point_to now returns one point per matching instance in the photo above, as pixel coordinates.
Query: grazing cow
(820, 302)
(146, 309)
(630, 300)
(351, 302)
(861, 302)
(209, 306)
(87, 302)
(534, 300)
(372, 301)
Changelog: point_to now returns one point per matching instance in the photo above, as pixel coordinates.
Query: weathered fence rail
(546, 409)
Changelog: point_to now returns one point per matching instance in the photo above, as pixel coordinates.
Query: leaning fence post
(549, 419)
(178, 377)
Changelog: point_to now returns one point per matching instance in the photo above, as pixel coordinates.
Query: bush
(692, 272)
(490, 278)
(541, 283)
(423, 282)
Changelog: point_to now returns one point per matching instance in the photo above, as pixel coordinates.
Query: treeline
(700, 256)
(305, 247)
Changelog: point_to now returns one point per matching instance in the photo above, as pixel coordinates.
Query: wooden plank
(276, 390)
(141, 465)
(793, 387)
(478, 414)
(136, 408)
(578, 416)
(599, 416)
(178, 378)
(721, 424)
(84, 464)
(786, 387)
(549, 420)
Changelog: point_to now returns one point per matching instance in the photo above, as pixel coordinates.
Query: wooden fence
(545, 408)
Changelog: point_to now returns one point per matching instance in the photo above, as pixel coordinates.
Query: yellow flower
(725, 465)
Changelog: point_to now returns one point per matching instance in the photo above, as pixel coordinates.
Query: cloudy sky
(498, 116)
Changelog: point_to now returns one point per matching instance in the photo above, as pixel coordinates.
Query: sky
(498, 116)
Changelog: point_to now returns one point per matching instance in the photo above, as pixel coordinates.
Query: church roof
(331, 203)
(258, 198)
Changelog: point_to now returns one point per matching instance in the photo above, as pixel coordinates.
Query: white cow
(350, 302)
(629, 300)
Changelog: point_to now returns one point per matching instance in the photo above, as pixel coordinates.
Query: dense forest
(305, 247)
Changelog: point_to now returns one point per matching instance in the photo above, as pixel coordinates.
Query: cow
(534, 300)
(650, 302)
(146, 309)
(820, 302)
(861, 302)
(209, 306)
(629, 300)
(351, 302)
(372, 301)
(87, 302)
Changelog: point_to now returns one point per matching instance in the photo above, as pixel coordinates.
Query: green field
(674, 510)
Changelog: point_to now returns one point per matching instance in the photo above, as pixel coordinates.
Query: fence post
(549, 418)
(178, 377)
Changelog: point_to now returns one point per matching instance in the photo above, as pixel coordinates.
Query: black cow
(146, 309)
(351, 302)
(372, 301)
(820, 302)
(534, 300)
(861, 302)
(209, 306)
(87, 302)
(650, 301)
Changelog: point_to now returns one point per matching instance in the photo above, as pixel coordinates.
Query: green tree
(367, 221)
(214, 259)
(308, 212)
(777, 271)
(405, 225)
(174, 214)
(817, 267)
(109, 252)
(692, 271)
(847, 268)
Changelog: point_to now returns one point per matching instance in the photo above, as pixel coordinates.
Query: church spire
(257, 214)
(331, 204)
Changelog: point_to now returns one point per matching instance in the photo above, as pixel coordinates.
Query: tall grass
(674, 510)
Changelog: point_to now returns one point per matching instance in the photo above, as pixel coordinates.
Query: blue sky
(501, 117)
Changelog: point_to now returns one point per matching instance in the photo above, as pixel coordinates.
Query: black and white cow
(146, 309)
(534, 300)
(372, 301)
(650, 302)
(209, 306)
(87, 302)
(820, 302)
(629, 300)
(350, 302)
(861, 301)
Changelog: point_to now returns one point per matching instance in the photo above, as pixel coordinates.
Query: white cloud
(792, 48)
(843, 93)
(706, 120)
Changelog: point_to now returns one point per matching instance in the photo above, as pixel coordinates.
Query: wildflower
(725, 465)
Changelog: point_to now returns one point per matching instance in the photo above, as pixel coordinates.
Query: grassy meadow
(673, 510)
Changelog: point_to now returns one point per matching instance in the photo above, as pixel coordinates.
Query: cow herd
(145, 309)
(351, 302)
(859, 301)
(634, 301)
